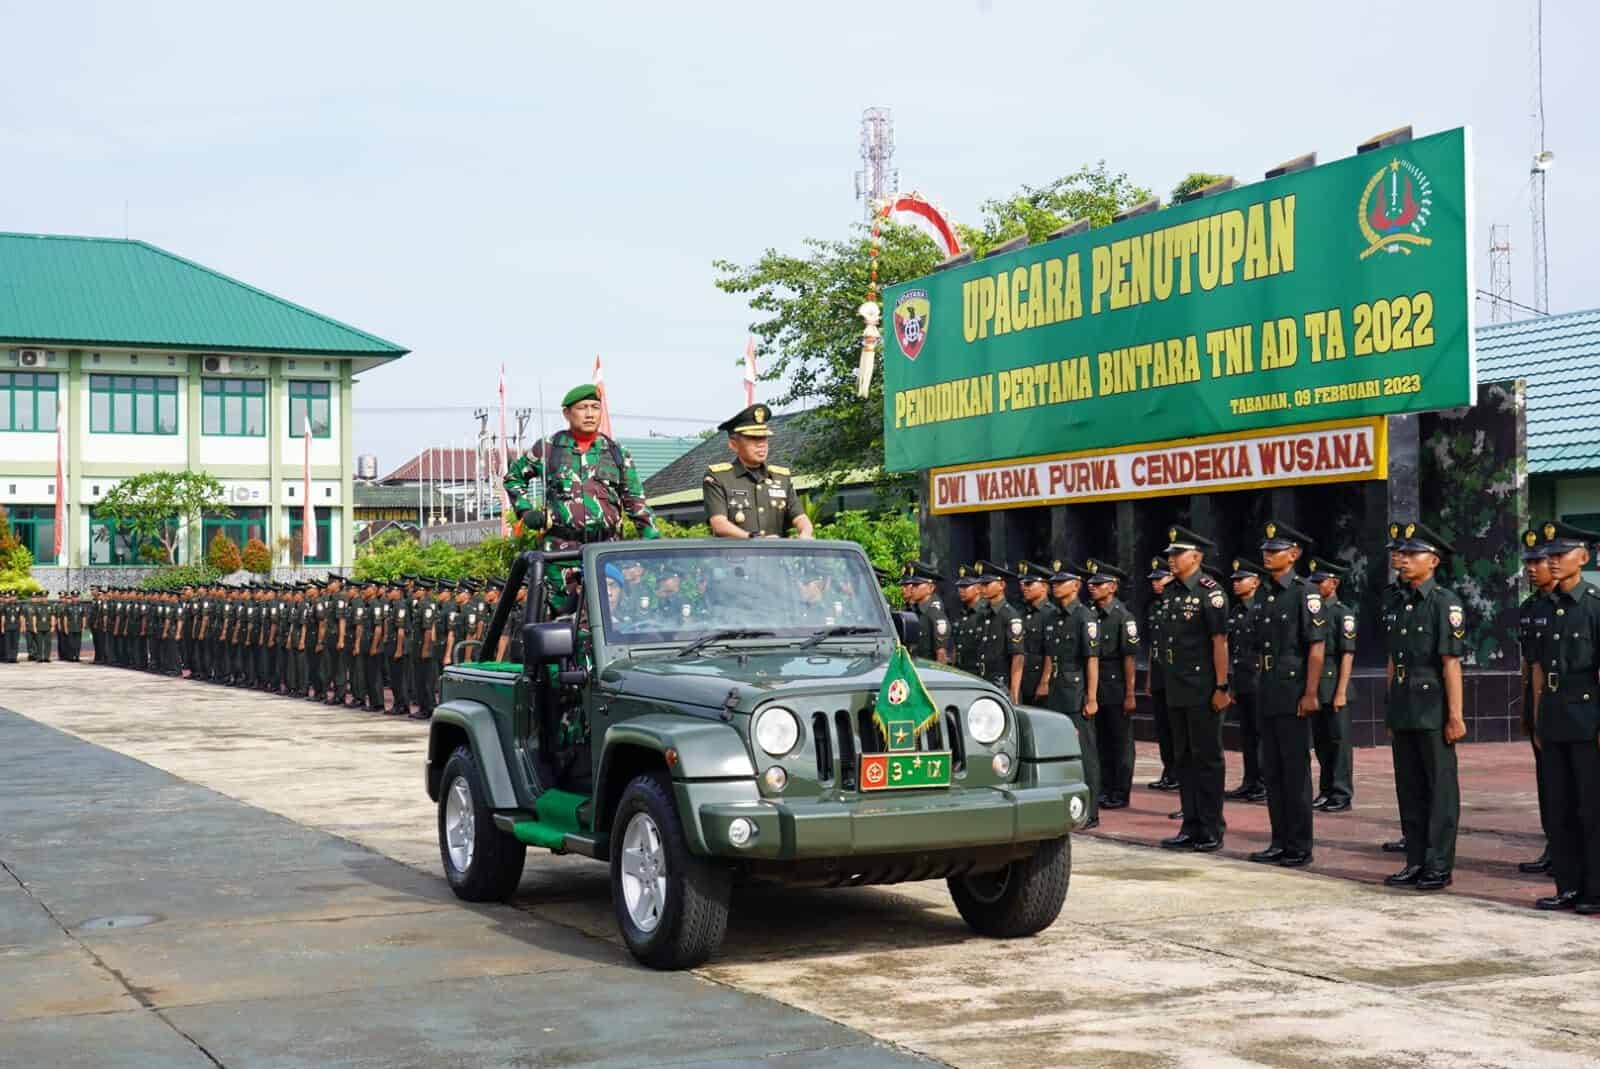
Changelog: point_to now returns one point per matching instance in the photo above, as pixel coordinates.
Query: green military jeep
(705, 715)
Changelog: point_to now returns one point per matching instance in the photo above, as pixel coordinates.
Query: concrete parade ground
(201, 876)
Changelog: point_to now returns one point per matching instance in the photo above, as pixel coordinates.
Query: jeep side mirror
(908, 625)
(543, 643)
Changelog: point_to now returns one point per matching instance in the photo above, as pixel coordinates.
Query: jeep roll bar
(530, 563)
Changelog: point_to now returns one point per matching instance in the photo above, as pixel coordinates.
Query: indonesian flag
(308, 515)
(503, 461)
(749, 370)
(61, 482)
(605, 404)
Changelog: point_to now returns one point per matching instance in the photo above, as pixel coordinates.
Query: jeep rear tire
(672, 907)
(482, 863)
(1023, 898)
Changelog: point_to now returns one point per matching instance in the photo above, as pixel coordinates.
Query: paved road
(1158, 960)
(146, 921)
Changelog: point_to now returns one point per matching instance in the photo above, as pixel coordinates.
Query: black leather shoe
(1176, 814)
(1319, 802)
(1560, 900)
(1238, 794)
(1207, 845)
(1270, 856)
(1434, 881)
(1396, 847)
(1588, 906)
(420, 715)
(1165, 783)
(1295, 860)
(1257, 794)
(1113, 803)
(1408, 875)
(1093, 823)
(1537, 865)
(1340, 805)
(1181, 841)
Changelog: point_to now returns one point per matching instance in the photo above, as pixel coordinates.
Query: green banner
(1335, 292)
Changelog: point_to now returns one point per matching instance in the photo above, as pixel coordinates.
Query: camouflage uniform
(586, 495)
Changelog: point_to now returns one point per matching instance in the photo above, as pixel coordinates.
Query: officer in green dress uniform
(1038, 613)
(969, 624)
(1290, 635)
(1425, 629)
(341, 643)
(1160, 577)
(1330, 728)
(69, 627)
(423, 612)
(1195, 641)
(10, 627)
(1072, 669)
(43, 628)
(748, 497)
(1536, 568)
(1001, 639)
(1244, 676)
(1567, 719)
(1119, 638)
(917, 587)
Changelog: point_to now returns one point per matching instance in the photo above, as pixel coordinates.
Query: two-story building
(124, 358)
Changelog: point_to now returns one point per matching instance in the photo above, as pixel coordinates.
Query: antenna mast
(877, 180)
(1542, 159)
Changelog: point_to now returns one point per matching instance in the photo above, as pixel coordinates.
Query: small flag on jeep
(903, 709)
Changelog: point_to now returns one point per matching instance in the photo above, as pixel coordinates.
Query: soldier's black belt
(1271, 665)
(1408, 674)
(1552, 680)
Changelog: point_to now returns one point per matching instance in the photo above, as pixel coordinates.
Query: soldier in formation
(918, 588)
(1118, 643)
(1156, 678)
(1246, 669)
(1536, 569)
(1330, 726)
(1072, 669)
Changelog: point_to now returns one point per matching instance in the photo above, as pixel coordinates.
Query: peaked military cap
(1561, 537)
(1323, 568)
(1419, 538)
(987, 570)
(1395, 537)
(587, 392)
(915, 571)
(1533, 546)
(752, 422)
(1278, 536)
(1030, 572)
(1100, 571)
(1062, 571)
(1245, 568)
(1159, 568)
(965, 576)
(1181, 538)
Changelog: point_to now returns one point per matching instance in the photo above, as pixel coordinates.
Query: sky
(533, 184)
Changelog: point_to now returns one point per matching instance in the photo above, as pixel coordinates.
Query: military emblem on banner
(1394, 208)
(912, 312)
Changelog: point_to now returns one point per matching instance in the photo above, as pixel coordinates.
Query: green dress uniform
(1001, 637)
(1290, 622)
(1244, 673)
(1424, 625)
(1037, 622)
(41, 628)
(1197, 612)
(968, 626)
(934, 635)
(1568, 726)
(10, 628)
(1154, 617)
(419, 650)
(1119, 638)
(1529, 637)
(70, 620)
(1330, 728)
(372, 653)
(358, 635)
(343, 613)
(1072, 640)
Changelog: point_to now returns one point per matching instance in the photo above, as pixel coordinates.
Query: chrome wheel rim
(460, 829)
(987, 887)
(644, 872)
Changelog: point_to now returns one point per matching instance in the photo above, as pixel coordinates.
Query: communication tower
(877, 180)
(1500, 272)
(1542, 159)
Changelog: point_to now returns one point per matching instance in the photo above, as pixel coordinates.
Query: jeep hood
(762, 675)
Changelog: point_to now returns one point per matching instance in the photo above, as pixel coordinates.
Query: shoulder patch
(1218, 600)
(941, 628)
(777, 470)
(1093, 630)
(1458, 617)
(1016, 625)
(720, 467)
(1314, 603)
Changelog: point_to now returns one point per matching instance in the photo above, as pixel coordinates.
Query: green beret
(580, 393)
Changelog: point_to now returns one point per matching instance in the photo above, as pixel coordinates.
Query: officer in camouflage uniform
(1118, 640)
(1072, 670)
(1330, 728)
(1425, 631)
(1567, 719)
(1536, 566)
(917, 588)
(1195, 641)
(747, 497)
(1245, 675)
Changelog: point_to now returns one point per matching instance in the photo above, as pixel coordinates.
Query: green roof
(79, 291)
(650, 455)
(1559, 356)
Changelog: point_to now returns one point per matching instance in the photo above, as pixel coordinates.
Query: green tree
(156, 505)
(810, 335)
(1193, 181)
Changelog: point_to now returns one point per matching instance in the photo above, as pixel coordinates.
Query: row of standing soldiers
(323, 640)
(39, 625)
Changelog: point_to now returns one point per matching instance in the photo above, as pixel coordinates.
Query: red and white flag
(504, 461)
(749, 370)
(308, 515)
(605, 404)
(61, 482)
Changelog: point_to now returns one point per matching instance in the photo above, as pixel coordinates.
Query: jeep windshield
(768, 589)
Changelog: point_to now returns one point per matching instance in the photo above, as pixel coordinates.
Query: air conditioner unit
(34, 358)
(240, 494)
(218, 364)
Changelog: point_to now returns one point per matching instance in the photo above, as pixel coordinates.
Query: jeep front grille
(839, 739)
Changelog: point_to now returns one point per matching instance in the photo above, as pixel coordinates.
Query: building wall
(262, 471)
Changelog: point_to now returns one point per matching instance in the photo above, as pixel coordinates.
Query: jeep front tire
(1023, 898)
(672, 907)
(482, 863)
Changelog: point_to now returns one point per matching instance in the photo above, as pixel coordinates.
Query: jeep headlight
(776, 730)
(986, 720)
